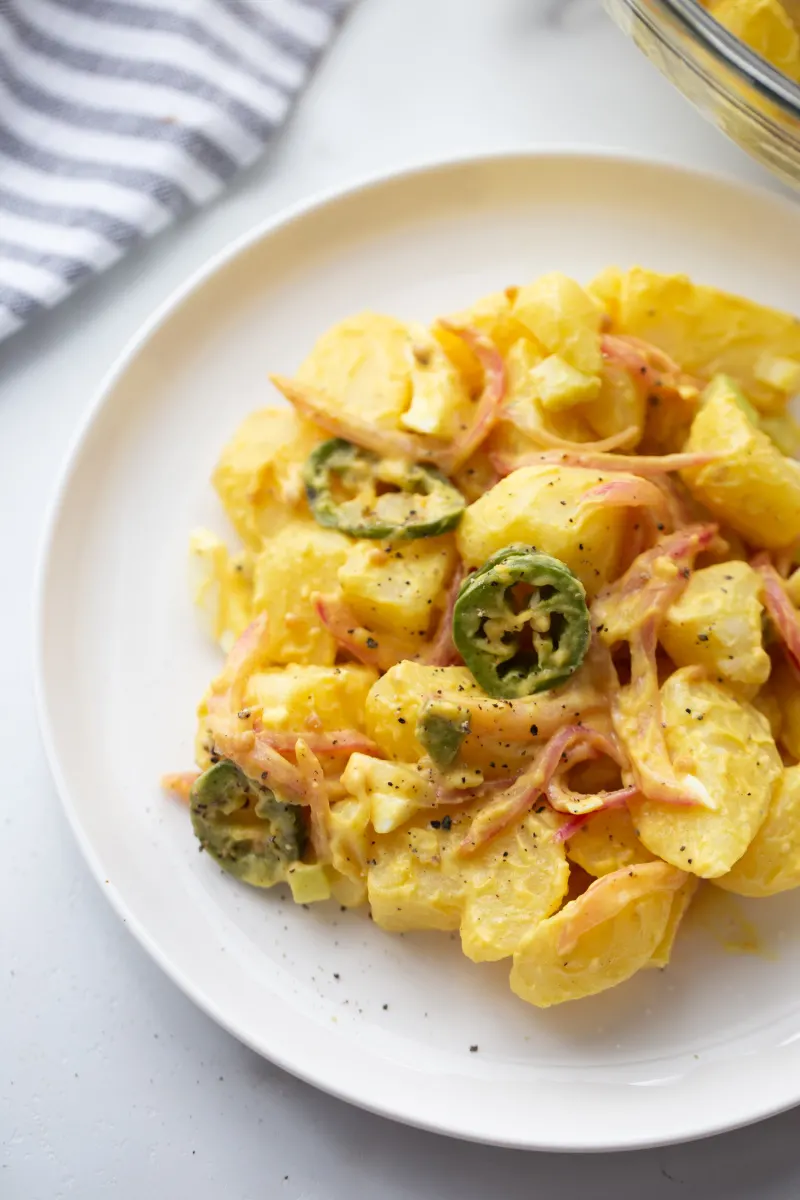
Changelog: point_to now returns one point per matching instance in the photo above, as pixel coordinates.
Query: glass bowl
(750, 100)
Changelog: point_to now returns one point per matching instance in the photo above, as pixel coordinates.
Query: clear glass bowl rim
(698, 23)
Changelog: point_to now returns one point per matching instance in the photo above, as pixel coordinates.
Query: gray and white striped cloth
(119, 116)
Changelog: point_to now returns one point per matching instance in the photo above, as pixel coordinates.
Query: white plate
(383, 1021)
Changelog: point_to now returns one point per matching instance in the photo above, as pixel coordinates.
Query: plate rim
(149, 328)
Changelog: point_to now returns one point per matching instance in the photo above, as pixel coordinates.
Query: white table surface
(111, 1082)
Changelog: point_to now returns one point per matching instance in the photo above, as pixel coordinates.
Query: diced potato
(393, 708)
(350, 841)
(394, 703)
(752, 486)
(363, 366)
(494, 316)
(309, 883)
(350, 893)
(558, 385)
(389, 811)
(728, 746)
(259, 475)
(223, 587)
(599, 940)
(680, 906)
(420, 881)
(398, 587)
(606, 843)
(295, 697)
(516, 881)
(301, 559)
(289, 697)
(771, 862)
(767, 703)
(621, 404)
(717, 623)
(564, 318)
(394, 791)
(542, 506)
(441, 405)
(406, 885)
(767, 27)
(707, 331)
(784, 688)
(783, 374)
(526, 413)
(606, 289)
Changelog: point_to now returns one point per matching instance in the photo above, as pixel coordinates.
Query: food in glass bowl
(767, 26)
(737, 61)
(511, 634)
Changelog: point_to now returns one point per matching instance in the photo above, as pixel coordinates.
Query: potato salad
(510, 638)
(770, 27)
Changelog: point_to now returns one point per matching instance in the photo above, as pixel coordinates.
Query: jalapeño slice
(359, 493)
(244, 827)
(441, 728)
(521, 623)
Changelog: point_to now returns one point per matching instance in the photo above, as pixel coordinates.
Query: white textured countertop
(111, 1082)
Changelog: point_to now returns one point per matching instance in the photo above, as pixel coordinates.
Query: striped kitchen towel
(119, 116)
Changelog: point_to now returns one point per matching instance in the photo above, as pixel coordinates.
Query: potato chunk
(707, 331)
(783, 688)
(351, 838)
(300, 560)
(492, 315)
(753, 487)
(728, 746)
(767, 27)
(288, 697)
(441, 404)
(771, 863)
(393, 709)
(527, 416)
(394, 791)
(559, 385)
(599, 940)
(362, 365)
(518, 880)
(223, 586)
(716, 624)
(564, 319)
(407, 887)
(606, 843)
(420, 881)
(397, 587)
(621, 404)
(680, 906)
(259, 475)
(394, 703)
(542, 507)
